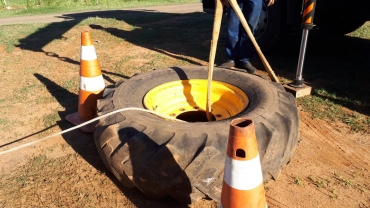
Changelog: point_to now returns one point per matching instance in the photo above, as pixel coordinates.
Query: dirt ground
(330, 167)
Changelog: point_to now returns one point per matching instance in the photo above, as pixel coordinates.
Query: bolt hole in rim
(186, 100)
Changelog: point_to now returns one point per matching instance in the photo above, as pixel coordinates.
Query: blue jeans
(238, 45)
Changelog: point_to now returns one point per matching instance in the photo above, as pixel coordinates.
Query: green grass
(8, 124)
(319, 183)
(336, 68)
(348, 182)
(50, 119)
(25, 177)
(33, 7)
(25, 92)
(322, 105)
(71, 84)
(362, 32)
(4, 123)
(39, 161)
(11, 34)
(334, 194)
(40, 180)
(298, 180)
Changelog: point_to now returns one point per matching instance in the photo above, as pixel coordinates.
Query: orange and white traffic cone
(243, 180)
(91, 85)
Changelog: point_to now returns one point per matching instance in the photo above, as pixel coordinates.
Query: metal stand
(298, 88)
(298, 81)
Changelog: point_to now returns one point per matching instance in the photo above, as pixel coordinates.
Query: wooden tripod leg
(212, 55)
(239, 13)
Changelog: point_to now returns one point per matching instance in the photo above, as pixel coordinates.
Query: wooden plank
(298, 91)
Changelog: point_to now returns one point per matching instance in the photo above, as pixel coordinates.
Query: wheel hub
(186, 100)
(262, 22)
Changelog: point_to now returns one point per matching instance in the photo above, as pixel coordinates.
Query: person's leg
(232, 42)
(251, 10)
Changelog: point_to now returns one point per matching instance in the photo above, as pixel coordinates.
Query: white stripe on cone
(88, 53)
(243, 175)
(92, 84)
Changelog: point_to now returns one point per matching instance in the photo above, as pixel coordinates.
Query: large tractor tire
(186, 160)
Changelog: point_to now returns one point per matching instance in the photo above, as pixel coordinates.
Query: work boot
(228, 64)
(247, 66)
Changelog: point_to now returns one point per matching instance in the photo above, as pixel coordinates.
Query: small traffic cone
(243, 180)
(91, 85)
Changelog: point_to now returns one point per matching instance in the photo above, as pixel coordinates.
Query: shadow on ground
(175, 35)
(339, 65)
(336, 64)
(84, 145)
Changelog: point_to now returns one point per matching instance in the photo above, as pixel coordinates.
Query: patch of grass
(338, 176)
(25, 91)
(71, 85)
(362, 32)
(64, 147)
(21, 179)
(348, 182)
(44, 99)
(4, 123)
(298, 180)
(321, 105)
(50, 149)
(42, 174)
(355, 175)
(11, 34)
(343, 180)
(39, 160)
(334, 194)
(318, 183)
(9, 48)
(50, 119)
(32, 7)
(118, 66)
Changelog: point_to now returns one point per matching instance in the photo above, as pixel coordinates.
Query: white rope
(85, 123)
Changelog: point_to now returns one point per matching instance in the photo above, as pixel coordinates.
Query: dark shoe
(247, 66)
(228, 64)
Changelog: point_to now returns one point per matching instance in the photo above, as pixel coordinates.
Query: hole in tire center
(195, 116)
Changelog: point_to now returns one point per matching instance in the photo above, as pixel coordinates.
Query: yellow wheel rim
(186, 100)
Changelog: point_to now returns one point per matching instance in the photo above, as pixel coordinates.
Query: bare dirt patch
(330, 167)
